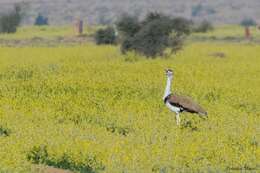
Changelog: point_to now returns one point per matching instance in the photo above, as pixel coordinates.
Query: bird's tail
(204, 114)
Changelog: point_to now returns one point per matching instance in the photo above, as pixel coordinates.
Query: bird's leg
(178, 119)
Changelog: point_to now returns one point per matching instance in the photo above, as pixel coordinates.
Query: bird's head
(169, 72)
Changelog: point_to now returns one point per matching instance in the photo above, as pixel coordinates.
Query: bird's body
(184, 103)
(177, 103)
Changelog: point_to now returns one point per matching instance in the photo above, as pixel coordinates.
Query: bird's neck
(167, 91)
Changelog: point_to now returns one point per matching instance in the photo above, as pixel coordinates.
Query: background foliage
(10, 21)
(151, 36)
(41, 20)
(62, 12)
(105, 36)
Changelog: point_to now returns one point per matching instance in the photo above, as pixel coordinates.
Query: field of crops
(90, 109)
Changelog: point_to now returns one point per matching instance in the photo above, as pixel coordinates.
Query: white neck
(167, 91)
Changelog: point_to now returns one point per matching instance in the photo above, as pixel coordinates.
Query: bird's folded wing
(186, 103)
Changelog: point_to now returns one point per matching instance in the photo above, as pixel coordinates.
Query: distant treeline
(105, 12)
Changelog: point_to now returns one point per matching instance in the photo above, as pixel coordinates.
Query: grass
(47, 32)
(228, 32)
(90, 109)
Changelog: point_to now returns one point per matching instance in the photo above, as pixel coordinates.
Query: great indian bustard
(177, 103)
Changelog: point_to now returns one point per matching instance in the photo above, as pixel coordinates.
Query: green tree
(9, 22)
(153, 35)
(204, 26)
(128, 25)
(105, 36)
(248, 22)
(41, 20)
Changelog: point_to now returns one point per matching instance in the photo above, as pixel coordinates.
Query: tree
(154, 34)
(182, 26)
(204, 26)
(41, 20)
(128, 25)
(9, 22)
(152, 39)
(248, 22)
(105, 36)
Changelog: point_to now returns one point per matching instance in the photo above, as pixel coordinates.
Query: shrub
(9, 22)
(182, 25)
(106, 36)
(153, 35)
(128, 25)
(40, 155)
(151, 40)
(204, 26)
(155, 16)
(175, 42)
(127, 44)
(4, 131)
(41, 20)
(248, 22)
(179, 24)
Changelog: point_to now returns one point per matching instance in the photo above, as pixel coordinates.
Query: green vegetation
(4, 131)
(203, 27)
(105, 36)
(228, 33)
(89, 108)
(128, 25)
(152, 36)
(248, 22)
(9, 22)
(41, 20)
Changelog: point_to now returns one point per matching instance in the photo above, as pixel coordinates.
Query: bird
(177, 103)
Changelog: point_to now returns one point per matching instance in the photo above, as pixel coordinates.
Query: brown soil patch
(218, 55)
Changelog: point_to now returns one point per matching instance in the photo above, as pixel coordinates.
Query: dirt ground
(47, 169)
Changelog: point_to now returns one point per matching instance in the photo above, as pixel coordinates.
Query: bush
(41, 20)
(248, 22)
(204, 26)
(152, 39)
(152, 36)
(40, 155)
(4, 131)
(176, 42)
(155, 16)
(128, 25)
(10, 22)
(182, 26)
(106, 36)
(179, 25)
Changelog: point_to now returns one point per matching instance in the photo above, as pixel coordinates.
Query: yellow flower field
(90, 109)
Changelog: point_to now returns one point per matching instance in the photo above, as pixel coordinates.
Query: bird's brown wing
(186, 103)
